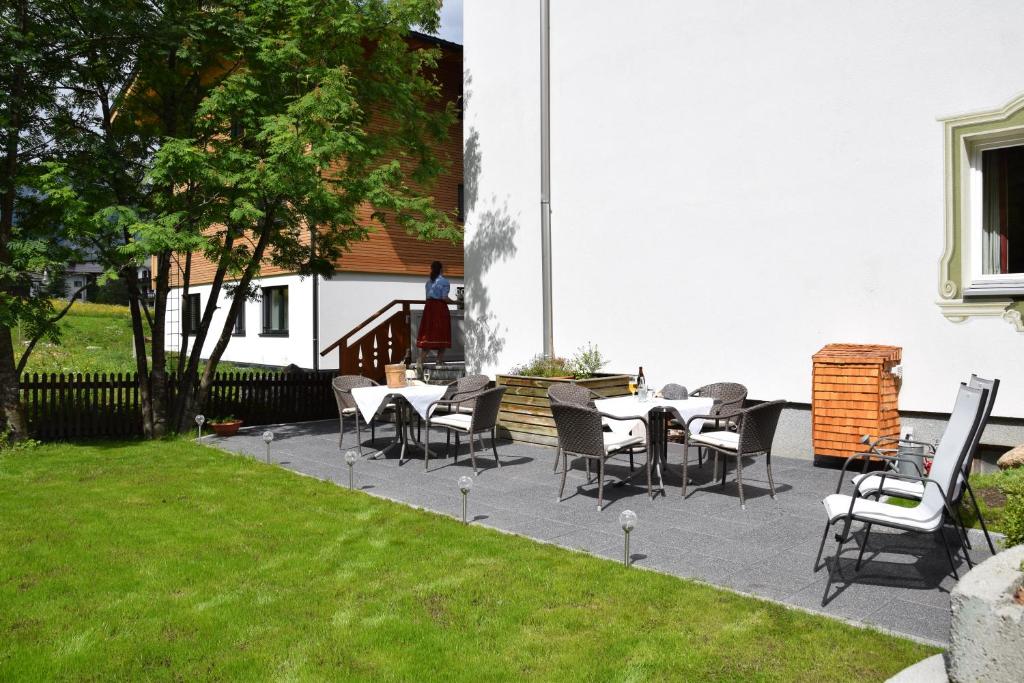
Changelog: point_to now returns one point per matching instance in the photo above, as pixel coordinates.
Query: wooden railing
(388, 341)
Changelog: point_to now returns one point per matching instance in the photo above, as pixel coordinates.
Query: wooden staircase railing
(389, 341)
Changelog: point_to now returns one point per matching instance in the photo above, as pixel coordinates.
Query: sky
(451, 21)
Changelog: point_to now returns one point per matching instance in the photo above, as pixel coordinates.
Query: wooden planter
(226, 428)
(854, 393)
(526, 412)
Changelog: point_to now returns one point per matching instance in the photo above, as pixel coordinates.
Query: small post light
(350, 460)
(627, 520)
(200, 419)
(268, 436)
(465, 485)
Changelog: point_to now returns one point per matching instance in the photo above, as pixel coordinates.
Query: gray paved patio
(766, 550)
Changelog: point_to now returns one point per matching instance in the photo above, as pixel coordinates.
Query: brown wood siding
(389, 248)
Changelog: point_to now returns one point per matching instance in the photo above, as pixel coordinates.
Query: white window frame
(976, 281)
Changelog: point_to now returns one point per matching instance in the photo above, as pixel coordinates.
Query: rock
(988, 624)
(1011, 458)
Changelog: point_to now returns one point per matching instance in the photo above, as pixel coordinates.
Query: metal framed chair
(754, 435)
(483, 417)
(935, 507)
(581, 434)
(874, 484)
(343, 386)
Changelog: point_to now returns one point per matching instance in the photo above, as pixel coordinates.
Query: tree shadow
(493, 230)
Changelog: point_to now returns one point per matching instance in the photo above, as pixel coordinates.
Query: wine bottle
(641, 381)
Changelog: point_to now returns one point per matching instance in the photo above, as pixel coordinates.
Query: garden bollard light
(465, 484)
(200, 419)
(627, 520)
(268, 436)
(350, 460)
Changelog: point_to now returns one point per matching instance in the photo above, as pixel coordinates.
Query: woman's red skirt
(435, 327)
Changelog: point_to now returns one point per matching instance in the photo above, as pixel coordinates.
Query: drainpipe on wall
(316, 302)
(545, 175)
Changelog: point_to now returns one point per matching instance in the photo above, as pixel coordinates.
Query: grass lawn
(94, 338)
(172, 561)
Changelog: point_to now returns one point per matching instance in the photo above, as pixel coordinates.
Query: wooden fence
(107, 406)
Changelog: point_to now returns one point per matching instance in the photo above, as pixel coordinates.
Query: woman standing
(435, 331)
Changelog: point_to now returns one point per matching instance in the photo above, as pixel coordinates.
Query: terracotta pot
(226, 428)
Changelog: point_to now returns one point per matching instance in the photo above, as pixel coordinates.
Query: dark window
(1003, 206)
(239, 330)
(275, 311)
(462, 202)
(190, 320)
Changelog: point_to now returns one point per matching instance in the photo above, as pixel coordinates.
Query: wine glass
(632, 384)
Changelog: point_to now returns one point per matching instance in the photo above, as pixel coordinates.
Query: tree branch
(23, 361)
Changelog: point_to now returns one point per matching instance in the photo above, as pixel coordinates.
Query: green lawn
(94, 338)
(173, 561)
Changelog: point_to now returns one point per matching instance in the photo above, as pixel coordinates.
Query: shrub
(1013, 513)
(586, 362)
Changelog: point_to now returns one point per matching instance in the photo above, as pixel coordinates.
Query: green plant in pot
(225, 426)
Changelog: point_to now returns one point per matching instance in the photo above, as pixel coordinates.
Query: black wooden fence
(102, 406)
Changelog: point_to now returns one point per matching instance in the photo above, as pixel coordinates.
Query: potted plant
(225, 426)
(525, 410)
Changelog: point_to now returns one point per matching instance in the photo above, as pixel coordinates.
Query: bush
(1013, 513)
(586, 362)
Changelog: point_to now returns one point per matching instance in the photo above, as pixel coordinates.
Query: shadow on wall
(493, 241)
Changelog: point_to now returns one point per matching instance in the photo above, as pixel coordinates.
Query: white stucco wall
(345, 301)
(734, 185)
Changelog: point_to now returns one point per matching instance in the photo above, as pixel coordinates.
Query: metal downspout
(545, 175)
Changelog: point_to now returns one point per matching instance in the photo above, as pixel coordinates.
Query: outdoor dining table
(658, 412)
(370, 400)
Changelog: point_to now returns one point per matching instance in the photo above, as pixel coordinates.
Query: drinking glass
(632, 384)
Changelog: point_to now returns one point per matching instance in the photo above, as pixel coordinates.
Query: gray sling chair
(482, 418)
(581, 434)
(936, 505)
(574, 395)
(754, 435)
(343, 386)
(871, 483)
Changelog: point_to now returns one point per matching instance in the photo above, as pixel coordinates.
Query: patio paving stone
(767, 550)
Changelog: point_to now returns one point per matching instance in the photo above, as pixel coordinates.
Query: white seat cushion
(837, 506)
(454, 420)
(723, 439)
(348, 411)
(614, 442)
(870, 483)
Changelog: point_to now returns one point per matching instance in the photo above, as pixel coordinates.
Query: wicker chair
(674, 392)
(458, 399)
(728, 398)
(574, 395)
(756, 429)
(343, 386)
(483, 417)
(581, 434)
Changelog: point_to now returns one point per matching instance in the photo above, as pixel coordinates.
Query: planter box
(525, 413)
(226, 428)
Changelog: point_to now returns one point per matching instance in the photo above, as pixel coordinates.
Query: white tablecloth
(630, 406)
(370, 399)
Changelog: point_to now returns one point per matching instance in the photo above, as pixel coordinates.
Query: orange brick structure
(854, 393)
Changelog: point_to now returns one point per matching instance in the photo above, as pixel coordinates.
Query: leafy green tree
(246, 127)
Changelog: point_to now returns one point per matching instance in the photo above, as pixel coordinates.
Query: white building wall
(345, 301)
(735, 185)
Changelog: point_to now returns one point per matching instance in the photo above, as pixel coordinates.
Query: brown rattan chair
(674, 392)
(483, 417)
(581, 434)
(575, 395)
(728, 398)
(343, 386)
(458, 398)
(754, 435)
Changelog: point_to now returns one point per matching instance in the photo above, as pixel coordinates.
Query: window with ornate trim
(982, 267)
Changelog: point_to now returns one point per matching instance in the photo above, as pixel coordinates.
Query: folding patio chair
(935, 507)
